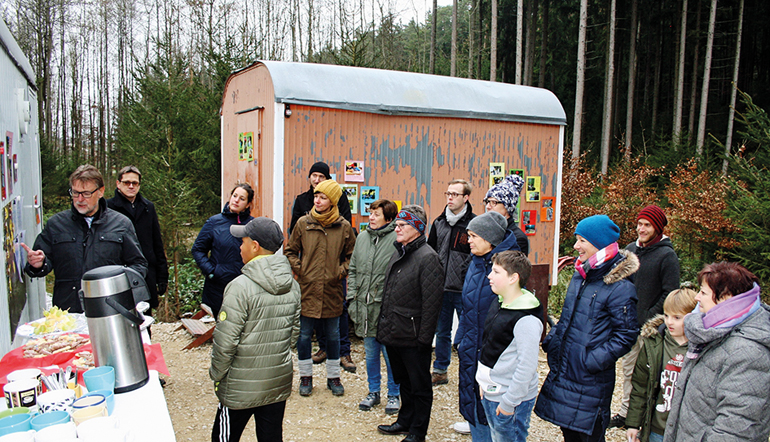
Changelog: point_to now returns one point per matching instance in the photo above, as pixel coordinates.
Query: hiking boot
(347, 363)
(618, 421)
(439, 378)
(305, 385)
(394, 405)
(335, 386)
(319, 356)
(369, 401)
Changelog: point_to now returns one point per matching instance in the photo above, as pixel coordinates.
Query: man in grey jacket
(258, 324)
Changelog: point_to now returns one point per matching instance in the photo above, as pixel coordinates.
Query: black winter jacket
(411, 299)
(145, 220)
(218, 254)
(521, 237)
(451, 244)
(304, 202)
(658, 275)
(72, 248)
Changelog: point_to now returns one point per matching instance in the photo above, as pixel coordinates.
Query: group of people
(697, 371)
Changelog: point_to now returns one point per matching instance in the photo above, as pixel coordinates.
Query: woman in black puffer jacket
(217, 252)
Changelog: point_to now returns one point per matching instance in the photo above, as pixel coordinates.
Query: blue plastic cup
(47, 419)
(109, 398)
(100, 378)
(15, 424)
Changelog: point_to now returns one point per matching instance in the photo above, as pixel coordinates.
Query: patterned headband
(412, 220)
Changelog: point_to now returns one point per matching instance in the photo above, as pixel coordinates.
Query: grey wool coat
(366, 276)
(258, 325)
(723, 395)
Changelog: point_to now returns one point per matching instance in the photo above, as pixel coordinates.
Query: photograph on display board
(351, 191)
(369, 194)
(547, 211)
(245, 146)
(354, 171)
(519, 172)
(362, 227)
(532, 189)
(496, 173)
(528, 217)
(529, 229)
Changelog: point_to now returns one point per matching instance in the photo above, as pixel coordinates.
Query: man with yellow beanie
(319, 252)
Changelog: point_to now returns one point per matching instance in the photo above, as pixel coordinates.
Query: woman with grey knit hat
(487, 234)
(503, 198)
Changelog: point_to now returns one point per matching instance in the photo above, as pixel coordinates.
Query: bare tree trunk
(581, 75)
(493, 43)
(309, 55)
(608, 91)
(706, 79)
(529, 52)
(631, 79)
(679, 86)
(519, 38)
(433, 28)
(694, 79)
(543, 44)
(656, 81)
(453, 60)
(471, 32)
(734, 89)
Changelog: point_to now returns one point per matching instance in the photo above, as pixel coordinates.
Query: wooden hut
(409, 134)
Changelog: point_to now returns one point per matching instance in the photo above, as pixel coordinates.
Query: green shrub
(559, 291)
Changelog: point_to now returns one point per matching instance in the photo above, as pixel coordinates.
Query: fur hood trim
(623, 269)
(652, 326)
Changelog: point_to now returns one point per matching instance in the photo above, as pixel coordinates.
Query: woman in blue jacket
(487, 235)
(597, 326)
(217, 252)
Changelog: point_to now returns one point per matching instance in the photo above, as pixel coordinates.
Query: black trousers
(411, 369)
(575, 436)
(229, 424)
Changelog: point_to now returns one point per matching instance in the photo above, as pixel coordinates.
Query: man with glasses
(87, 236)
(449, 238)
(503, 198)
(141, 212)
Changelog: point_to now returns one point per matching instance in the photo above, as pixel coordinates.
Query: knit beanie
(507, 192)
(655, 216)
(491, 226)
(331, 189)
(599, 230)
(320, 167)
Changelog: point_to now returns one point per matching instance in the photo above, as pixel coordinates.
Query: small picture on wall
(245, 146)
(528, 217)
(547, 211)
(351, 191)
(529, 229)
(362, 227)
(354, 171)
(496, 173)
(369, 194)
(533, 189)
(519, 172)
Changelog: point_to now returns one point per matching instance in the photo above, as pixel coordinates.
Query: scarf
(451, 218)
(327, 218)
(597, 260)
(653, 241)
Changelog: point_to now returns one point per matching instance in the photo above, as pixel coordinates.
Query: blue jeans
(330, 326)
(513, 428)
(373, 348)
(479, 432)
(453, 301)
(655, 437)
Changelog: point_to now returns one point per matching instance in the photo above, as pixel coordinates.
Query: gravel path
(320, 417)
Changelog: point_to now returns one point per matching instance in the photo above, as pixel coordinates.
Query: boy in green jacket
(258, 324)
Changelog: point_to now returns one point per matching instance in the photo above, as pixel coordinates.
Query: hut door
(250, 128)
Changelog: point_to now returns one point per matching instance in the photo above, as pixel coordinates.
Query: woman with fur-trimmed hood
(597, 326)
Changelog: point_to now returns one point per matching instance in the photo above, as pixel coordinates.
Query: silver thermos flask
(113, 324)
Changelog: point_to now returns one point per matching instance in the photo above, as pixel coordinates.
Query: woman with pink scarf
(723, 391)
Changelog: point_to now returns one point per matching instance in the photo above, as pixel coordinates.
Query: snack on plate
(85, 359)
(49, 345)
(56, 319)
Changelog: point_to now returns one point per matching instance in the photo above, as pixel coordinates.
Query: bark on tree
(529, 52)
(608, 91)
(581, 75)
(519, 38)
(694, 79)
(706, 79)
(734, 89)
(433, 28)
(493, 43)
(631, 79)
(543, 44)
(453, 56)
(679, 86)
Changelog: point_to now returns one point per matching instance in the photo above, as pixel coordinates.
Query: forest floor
(321, 416)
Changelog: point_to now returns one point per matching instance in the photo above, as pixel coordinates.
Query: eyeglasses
(76, 194)
(492, 203)
(453, 194)
(400, 226)
(130, 183)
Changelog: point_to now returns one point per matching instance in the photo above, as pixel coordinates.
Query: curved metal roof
(15, 53)
(407, 93)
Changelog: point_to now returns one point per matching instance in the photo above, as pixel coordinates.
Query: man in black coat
(141, 212)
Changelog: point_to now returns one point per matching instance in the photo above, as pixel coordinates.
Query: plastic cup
(100, 378)
(12, 411)
(109, 398)
(15, 424)
(47, 419)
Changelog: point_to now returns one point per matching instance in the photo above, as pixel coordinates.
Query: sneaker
(439, 379)
(305, 385)
(462, 427)
(347, 363)
(394, 405)
(618, 421)
(319, 356)
(335, 386)
(369, 401)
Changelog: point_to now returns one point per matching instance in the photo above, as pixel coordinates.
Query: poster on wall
(351, 191)
(246, 146)
(354, 171)
(2, 170)
(362, 227)
(547, 211)
(9, 155)
(369, 194)
(496, 173)
(398, 204)
(519, 172)
(533, 189)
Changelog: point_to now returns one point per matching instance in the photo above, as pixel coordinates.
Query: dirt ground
(320, 417)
